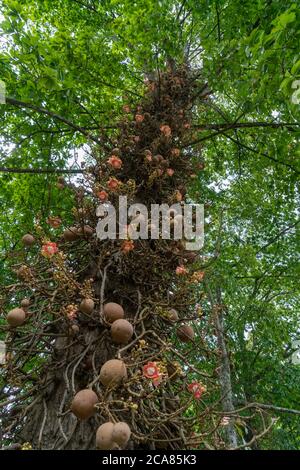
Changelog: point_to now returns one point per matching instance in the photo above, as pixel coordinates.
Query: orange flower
(196, 388)
(54, 221)
(139, 118)
(181, 271)
(148, 155)
(178, 196)
(115, 162)
(170, 171)
(126, 108)
(102, 195)
(71, 312)
(151, 371)
(49, 249)
(198, 276)
(127, 246)
(166, 130)
(113, 183)
(175, 152)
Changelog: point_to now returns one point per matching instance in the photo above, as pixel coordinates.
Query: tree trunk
(225, 374)
(61, 350)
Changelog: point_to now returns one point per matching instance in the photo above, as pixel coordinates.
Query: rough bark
(225, 374)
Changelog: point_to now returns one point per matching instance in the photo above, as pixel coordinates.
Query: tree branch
(263, 154)
(237, 125)
(39, 171)
(273, 240)
(264, 406)
(41, 110)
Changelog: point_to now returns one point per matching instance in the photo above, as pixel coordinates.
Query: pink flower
(71, 315)
(126, 108)
(127, 245)
(198, 276)
(166, 130)
(178, 196)
(181, 271)
(196, 388)
(139, 118)
(175, 152)
(49, 249)
(151, 371)
(71, 312)
(54, 221)
(148, 155)
(170, 171)
(115, 162)
(102, 195)
(113, 183)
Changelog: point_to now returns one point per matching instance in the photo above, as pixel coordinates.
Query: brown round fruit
(113, 312)
(185, 333)
(25, 303)
(16, 317)
(121, 433)
(104, 440)
(113, 372)
(71, 234)
(87, 305)
(22, 272)
(85, 231)
(28, 239)
(83, 404)
(74, 330)
(121, 331)
(173, 314)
